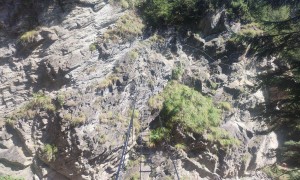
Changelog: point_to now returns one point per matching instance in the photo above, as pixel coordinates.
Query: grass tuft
(181, 146)
(28, 37)
(133, 55)
(75, 120)
(49, 152)
(225, 105)
(93, 47)
(110, 80)
(127, 28)
(40, 101)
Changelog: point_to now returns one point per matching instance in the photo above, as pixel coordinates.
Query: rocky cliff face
(68, 87)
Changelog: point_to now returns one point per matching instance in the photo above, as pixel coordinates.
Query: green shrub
(188, 107)
(177, 73)
(124, 4)
(156, 39)
(159, 134)
(168, 177)
(238, 9)
(272, 171)
(213, 85)
(269, 13)
(79, 119)
(61, 99)
(193, 112)
(246, 157)
(93, 47)
(49, 152)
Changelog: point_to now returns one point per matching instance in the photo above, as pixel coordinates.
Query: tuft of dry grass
(127, 27)
(225, 106)
(110, 80)
(40, 101)
(28, 37)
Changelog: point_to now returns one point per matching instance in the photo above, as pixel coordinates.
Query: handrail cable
(121, 165)
(169, 152)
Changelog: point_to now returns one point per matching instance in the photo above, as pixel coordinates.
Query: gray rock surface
(96, 89)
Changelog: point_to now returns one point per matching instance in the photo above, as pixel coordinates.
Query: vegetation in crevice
(160, 134)
(28, 37)
(177, 73)
(183, 107)
(127, 28)
(75, 119)
(108, 81)
(49, 152)
(133, 54)
(225, 106)
(39, 101)
(93, 47)
(181, 146)
(61, 98)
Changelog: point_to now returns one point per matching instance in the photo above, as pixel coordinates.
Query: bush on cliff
(188, 109)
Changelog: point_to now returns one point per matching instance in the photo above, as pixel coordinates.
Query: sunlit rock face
(92, 79)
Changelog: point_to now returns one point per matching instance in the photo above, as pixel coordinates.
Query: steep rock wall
(98, 86)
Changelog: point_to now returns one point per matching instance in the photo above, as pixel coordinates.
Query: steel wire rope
(168, 151)
(122, 160)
